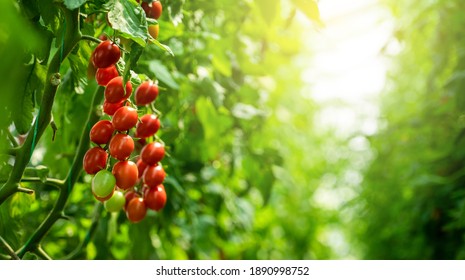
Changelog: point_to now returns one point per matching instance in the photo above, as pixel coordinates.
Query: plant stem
(67, 186)
(11, 138)
(8, 249)
(23, 156)
(90, 38)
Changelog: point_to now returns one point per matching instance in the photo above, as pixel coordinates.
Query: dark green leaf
(127, 17)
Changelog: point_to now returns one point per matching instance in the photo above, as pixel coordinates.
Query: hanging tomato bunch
(131, 182)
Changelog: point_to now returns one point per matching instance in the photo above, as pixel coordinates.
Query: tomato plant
(146, 93)
(136, 210)
(101, 132)
(95, 160)
(149, 125)
(126, 174)
(121, 146)
(154, 175)
(115, 92)
(155, 197)
(125, 118)
(68, 66)
(106, 54)
(116, 202)
(105, 75)
(103, 183)
(152, 153)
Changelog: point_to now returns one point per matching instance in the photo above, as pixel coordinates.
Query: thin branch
(11, 138)
(54, 128)
(66, 186)
(39, 251)
(49, 181)
(90, 38)
(25, 190)
(8, 249)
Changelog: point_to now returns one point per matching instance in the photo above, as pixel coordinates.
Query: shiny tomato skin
(101, 132)
(106, 54)
(121, 146)
(141, 166)
(152, 153)
(129, 195)
(126, 174)
(136, 210)
(111, 108)
(156, 10)
(125, 118)
(114, 92)
(154, 175)
(149, 125)
(155, 198)
(105, 75)
(94, 160)
(146, 93)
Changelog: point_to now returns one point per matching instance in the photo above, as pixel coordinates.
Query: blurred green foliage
(412, 202)
(243, 158)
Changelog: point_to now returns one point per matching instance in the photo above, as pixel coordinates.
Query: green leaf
(162, 73)
(310, 9)
(215, 124)
(23, 117)
(128, 17)
(161, 46)
(50, 15)
(19, 204)
(268, 9)
(73, 4)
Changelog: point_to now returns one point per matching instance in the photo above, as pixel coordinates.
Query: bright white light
(348, 70)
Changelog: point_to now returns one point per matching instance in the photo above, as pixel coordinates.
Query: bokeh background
(296, 130)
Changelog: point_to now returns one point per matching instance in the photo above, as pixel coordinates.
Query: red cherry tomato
(110, 108)
(148, 126)
(136, 210)
(106, 54)
(141, 166)
(121, 146)
(146, 93)
(157, 8)
(101, 132)
(146, 8)
(95, 160)
(129, 196)
(154, 175)
(105, 75)
(125, 118)
(126, 174)
(114, 92)
(155, 198)
(152, 153)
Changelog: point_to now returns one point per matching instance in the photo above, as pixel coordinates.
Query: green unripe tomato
(116, 202)
(103, 183)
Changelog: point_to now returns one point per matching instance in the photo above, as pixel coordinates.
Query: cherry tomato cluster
(152, 10)
(132, 186)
